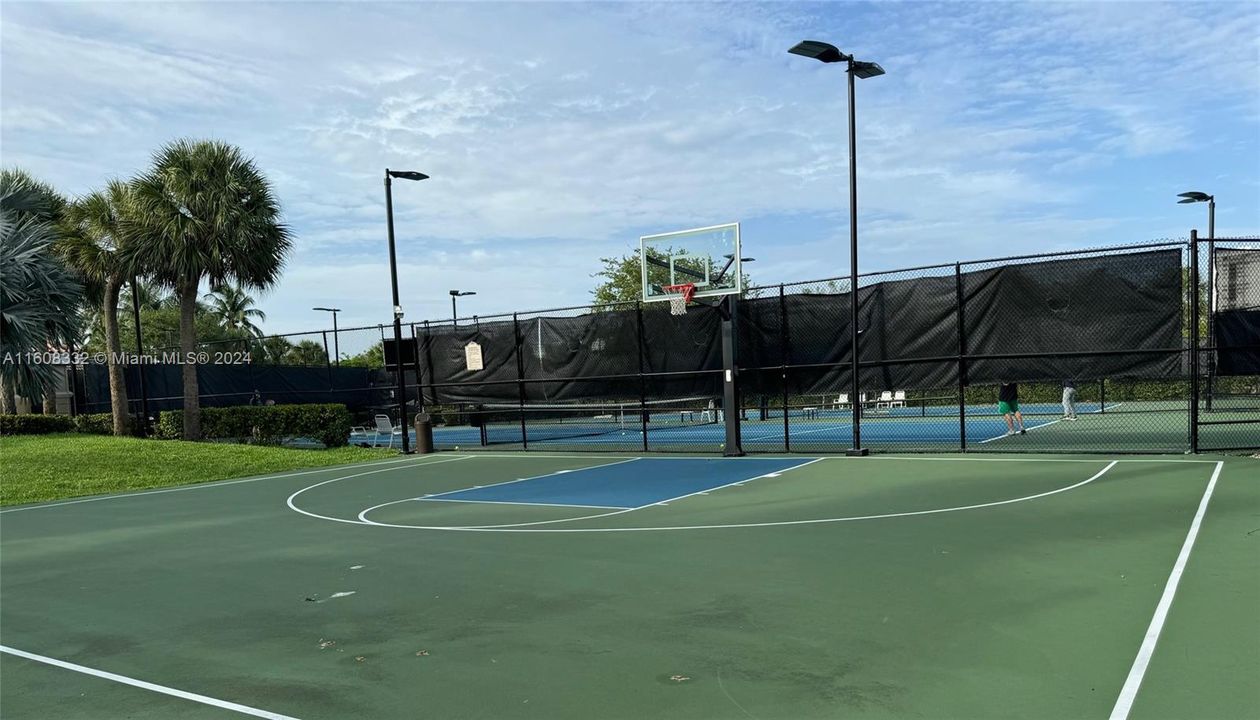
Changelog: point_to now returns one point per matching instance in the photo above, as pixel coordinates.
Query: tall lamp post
(454, 314)
(1198, 197)
(827, 53)
(336, 344)
(398, 311)
(144, 393)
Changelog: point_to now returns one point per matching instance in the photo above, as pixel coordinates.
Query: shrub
(95, 423)
(35, 424)
(264, 425)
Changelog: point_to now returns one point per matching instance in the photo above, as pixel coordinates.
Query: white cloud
(555, 134)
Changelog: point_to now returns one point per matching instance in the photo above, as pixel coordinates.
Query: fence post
(419, 373)
(520, 378)
(1194, 341)
(428, 360)
(784, 356)
(1102, 395)
(642, 343)
(328, 360)
(962, 358)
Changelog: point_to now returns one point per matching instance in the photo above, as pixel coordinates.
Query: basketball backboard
(707, 257)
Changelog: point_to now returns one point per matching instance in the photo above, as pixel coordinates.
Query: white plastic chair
(885, 400)
(386, 426)
(840, 402)
(899, 399)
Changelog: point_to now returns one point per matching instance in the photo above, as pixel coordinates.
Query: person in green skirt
(1008, 405)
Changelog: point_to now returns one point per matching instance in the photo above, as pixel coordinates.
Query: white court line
(289, 501)
(203, 699)
(535, 477)
(510, 502)
(779, 523)
(217, 483)
(616, 511)
(1128, 693)
(1045, 424)
(735, 482)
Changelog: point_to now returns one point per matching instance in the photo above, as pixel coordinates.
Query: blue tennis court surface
(626, 484)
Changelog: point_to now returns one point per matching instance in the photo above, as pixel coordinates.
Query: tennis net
(512, 423)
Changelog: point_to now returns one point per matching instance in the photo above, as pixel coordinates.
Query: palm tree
(39, 298)
(95, 246)
(306, 353)
(210, 214)
(234, 309)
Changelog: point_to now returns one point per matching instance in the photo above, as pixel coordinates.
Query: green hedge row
(264, 425)
(95, 423)
(35, 424)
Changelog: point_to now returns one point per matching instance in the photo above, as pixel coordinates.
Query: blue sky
(558, 133)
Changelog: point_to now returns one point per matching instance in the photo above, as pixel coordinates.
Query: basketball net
(679, 296)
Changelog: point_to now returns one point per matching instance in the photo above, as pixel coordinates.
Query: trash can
(424, 434)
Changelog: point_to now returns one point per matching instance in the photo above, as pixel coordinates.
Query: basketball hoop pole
(730, 366)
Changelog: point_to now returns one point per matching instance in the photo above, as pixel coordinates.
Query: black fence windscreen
(1100, 342)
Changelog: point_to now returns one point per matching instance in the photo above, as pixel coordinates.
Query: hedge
(95, 423)
(264, 425)
(35, 424)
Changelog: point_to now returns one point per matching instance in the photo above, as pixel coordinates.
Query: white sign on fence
(472, 356)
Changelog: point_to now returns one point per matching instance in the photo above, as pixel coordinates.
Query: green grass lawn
(36, 468)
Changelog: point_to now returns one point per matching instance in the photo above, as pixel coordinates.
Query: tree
(234, 309)
(623, 279)
(39, 297)
(373, 357)
(306, 352)
(95, 246)
(271, 350)
(210, 214)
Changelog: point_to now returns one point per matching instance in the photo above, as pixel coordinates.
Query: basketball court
(555, 586)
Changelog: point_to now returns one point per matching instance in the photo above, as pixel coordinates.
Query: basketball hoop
(679, 296)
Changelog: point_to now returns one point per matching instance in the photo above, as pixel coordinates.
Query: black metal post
(328, 359)
(419, 373)
(962, 358)
(730, 384)
(1102, 395)
(520, 377)
(393, 277)
(643, 416)
(428, 360)
(1211, 304)
(336, 342)
(784, 358)
(140, 363)
(1194, 341)
(454, 315)
(857, 449)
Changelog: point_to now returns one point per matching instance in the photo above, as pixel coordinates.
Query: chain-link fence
(1077, 351)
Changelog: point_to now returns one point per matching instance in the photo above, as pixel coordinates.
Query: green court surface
(594, 586)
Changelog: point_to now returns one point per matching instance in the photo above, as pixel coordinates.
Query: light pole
(454, 314)
(1197, 197)
(398, 311)
(144, 394)
(827, 53)
(336, 345)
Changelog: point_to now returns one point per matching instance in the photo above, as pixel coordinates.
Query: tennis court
(694, 425)
(545, 585)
